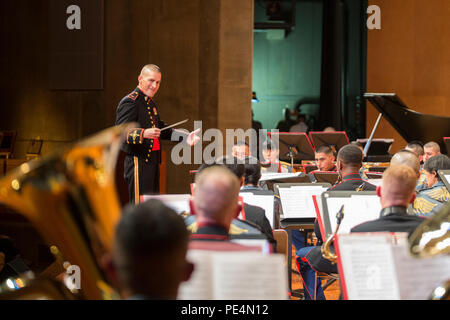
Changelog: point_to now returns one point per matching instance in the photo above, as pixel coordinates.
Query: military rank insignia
(133, 95)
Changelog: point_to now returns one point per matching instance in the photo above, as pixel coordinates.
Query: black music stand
(308, 168)
(326, 176)
(334, 139)
(294, 146)
(299, 179)
(377, 169)
(378, 150)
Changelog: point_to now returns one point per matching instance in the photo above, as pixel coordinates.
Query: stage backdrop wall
(409, 55)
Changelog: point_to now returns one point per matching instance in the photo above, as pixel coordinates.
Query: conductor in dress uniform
(142, 145)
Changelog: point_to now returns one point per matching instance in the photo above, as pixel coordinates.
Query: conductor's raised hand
(192, 138)
(152, 133)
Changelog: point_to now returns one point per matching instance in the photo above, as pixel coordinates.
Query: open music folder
(359, 207)
(296, 200)
(264, 201)
(378, 266)
(178, 202)
(235, 275)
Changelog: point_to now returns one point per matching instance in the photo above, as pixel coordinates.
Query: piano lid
(410, 124)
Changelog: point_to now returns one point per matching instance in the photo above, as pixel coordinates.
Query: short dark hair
(270, 144)
(252, 171)
(149, 230)
(350, 155)
(234, 164)
(241, 143)
(357, 143)
(437, 162)
(324, 149)
(417, 146)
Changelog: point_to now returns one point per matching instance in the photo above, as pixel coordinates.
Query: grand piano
(410, 124)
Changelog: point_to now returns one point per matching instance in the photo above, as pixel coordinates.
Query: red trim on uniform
(241, 200)
(208, 236)
(133, 95)
(318, 216)
(305, 287)
(340, 268)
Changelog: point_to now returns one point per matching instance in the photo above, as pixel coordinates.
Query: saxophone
(71, 199)
(325, 249)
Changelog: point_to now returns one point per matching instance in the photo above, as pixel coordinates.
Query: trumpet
(71, 199)
(325, 249)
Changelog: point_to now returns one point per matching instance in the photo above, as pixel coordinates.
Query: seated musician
(430, 199)
(324, 157)
(149, 255)
(430, 149)
(240, 150)
(309, 259)
(215, 208)
(364, 167)
(416, 147)
(252, 175)
(396, 193)
(271, 162)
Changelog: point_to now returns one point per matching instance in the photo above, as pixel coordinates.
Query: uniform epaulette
(133, 95)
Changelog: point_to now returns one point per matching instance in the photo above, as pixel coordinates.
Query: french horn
(70, 198)
(431, 238)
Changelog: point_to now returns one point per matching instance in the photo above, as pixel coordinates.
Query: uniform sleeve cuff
(135, 136)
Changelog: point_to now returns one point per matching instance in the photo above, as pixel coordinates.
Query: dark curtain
(331, 81)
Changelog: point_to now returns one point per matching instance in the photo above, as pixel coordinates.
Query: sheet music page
(419, 277)
(447, 177)
(249, 275)
(178, 202)
(368, 266)
(200, 285)
(296, 201)
(375, 182)
(263, 201)
(357, 209)
(275, 175)
(360, 209)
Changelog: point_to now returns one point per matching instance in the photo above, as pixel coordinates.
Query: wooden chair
(330, 277)
(281, 238)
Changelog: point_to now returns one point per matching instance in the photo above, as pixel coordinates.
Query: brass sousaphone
(430, 239)
(71, 199)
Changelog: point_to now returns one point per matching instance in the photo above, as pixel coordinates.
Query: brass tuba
(325, 249)
(431, 238)
(71, 199)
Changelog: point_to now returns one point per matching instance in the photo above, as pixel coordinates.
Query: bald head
(216, 195)
(407, 158)
(398, 185)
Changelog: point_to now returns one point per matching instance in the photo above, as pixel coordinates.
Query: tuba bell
(70, 198)
(431, 238)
